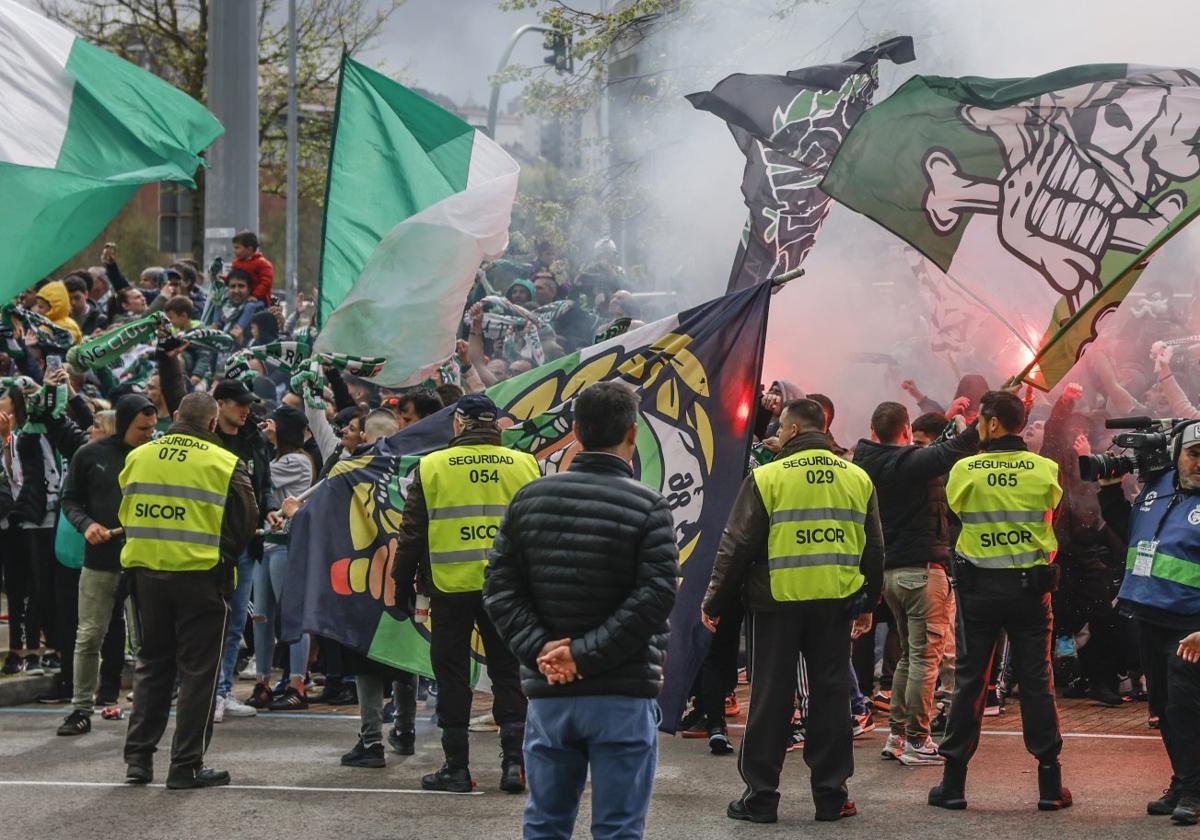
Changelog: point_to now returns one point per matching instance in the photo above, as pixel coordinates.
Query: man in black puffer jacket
(910, 483)
(580, 585)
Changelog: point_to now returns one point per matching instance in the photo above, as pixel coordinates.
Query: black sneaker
(188, 779)
(261, 697)
(737, 810)
(291, 701)
(449, 780)
(51, 662)
(1165, 804)
(364, 756)
(76, 723)
(61, 693)
(108, 696)
(691, 719)
(347, 695)
(718, 741)
(12, 665)
(401, 742)
(138, 774)
(1187, 812)
(33, 665)
(1105, 696)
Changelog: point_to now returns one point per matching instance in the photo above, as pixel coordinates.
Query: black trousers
(18, 587)
(862, 654)
(821, 632)
(454, 618)
(1174, 689)
(718, 674)
(66, 609)
(38, 546)
(112, 651)
(183, 618)
(995, 602)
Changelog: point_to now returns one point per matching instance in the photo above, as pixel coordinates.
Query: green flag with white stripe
(416, 198)
(81, 130)
(1040, 198)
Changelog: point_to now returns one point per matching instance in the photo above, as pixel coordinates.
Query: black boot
(1165, 804)
(403, 737)
(512, 758)
(455, 776)
(1052, 796)
(951, 793)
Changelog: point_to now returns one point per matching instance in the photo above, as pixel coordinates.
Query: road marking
(733, 727)
(296, 788)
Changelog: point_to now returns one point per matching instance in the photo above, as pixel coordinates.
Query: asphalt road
(287, 782)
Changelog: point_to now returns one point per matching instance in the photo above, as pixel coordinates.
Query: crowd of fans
(524, 310)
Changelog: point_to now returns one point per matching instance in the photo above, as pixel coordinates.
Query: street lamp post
(291, 236)
(494, 102)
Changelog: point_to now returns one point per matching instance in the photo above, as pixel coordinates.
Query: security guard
(188, 511)
(454, 506)
(1006, 498)
(1161, 591)
(804, 537)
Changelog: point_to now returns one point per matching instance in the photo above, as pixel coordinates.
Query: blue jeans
(616, 736)
(268, 585)
(239, 602)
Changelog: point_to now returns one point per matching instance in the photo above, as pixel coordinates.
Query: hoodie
(765, 423)
(91, 492)
(55, 294)
(260, 268)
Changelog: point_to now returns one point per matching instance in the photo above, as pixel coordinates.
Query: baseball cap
(477, 407)
(232, 389)
(1190, 436)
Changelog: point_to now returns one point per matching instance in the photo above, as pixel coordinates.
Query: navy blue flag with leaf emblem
(697, 374)
(790, 127)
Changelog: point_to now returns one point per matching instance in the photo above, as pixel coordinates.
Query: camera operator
(1161, 591)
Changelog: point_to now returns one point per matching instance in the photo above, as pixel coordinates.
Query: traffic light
(558, 44)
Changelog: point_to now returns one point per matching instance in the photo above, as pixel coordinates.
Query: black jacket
(742, 556)
(588, 555)
(92, 493)
(910, 484)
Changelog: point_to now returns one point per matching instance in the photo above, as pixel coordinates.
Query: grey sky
(452, 46)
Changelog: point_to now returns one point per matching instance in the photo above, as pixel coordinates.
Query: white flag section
(80, 131)
(407, 303)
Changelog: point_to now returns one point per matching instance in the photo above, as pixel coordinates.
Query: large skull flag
(1041, 197)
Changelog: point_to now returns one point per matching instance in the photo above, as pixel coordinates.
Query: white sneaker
(236, 708)
(893, 747)
(250, 672)
(921, 755)
(219, 709)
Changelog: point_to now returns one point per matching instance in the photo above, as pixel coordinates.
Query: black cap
(232, 389)
(478, 407)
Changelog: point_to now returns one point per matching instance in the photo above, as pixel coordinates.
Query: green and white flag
(1041, 198)
(416, 199)
(81, 131)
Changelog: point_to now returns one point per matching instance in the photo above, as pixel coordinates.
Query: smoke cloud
(859, 295)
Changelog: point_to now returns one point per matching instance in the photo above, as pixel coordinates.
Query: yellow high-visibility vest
(173, 503)
(467, 489)
(1006, 501)
(818, 507)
